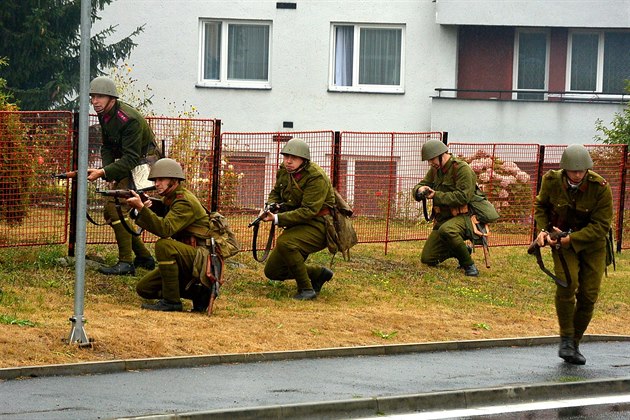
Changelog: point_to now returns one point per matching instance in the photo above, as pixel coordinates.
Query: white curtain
(380, 55)
(248, 52)
(344, 46)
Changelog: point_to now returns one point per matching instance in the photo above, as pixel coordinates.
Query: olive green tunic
(177, 261)
(304, 195)
(587, 211)
(454, 186)
(126, 139)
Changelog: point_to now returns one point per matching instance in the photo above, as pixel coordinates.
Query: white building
(530, 71)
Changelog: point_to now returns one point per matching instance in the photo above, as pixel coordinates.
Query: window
(235, 54)
(531, 63)
(367, 58)
(598, 61)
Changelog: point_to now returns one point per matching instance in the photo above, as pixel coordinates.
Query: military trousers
(575, 304)
(447, 240)
(128, 244)
(168, 281)
(288, 259)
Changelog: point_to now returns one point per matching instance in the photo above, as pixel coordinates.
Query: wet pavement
(330, 383)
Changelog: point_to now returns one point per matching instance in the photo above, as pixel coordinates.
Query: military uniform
(181, 249)
(454, 186)
(587, 211)
(127, 138)
(307, 195)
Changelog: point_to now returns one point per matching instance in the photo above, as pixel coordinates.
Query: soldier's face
(576, 176)
(101, 103)
(435, 162)
(165, 185)
(292, 163)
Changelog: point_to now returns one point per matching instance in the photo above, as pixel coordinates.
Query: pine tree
(41, 42)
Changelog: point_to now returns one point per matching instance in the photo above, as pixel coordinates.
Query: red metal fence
(233, 173)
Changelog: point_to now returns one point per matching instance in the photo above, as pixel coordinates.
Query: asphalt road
(335, 383)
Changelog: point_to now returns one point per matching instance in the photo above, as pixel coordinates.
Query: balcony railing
(533, 95)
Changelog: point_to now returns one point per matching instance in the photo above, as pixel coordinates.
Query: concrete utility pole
(77, 332)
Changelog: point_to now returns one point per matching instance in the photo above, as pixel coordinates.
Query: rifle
(534, 249)
(157, 206)
(65, 175)
(481, 230)
(422, 196)
(217, 272)
(270, 208)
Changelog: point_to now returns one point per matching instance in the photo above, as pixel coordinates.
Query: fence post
(216, 166)
(445, 137)
(622, 197)
(72, 228)
(335, 168)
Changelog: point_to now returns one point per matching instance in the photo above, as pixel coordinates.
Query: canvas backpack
(340, 233)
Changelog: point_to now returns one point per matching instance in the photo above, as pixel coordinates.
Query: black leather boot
(567, 349)
(148, 263)
(471, 270)
(121, 268)
(164, 305)
(201, 300)
(323, 277)
(305, 294)
(578, 358)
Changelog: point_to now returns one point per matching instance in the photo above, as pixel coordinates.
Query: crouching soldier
(185, 231)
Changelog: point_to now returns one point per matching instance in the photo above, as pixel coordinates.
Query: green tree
(41, 40)
(619, 131)
(5, 97)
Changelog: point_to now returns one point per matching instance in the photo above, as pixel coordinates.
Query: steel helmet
(166, 168)
(297, 147)
(103, 86)
(576, 158)
(433, 148)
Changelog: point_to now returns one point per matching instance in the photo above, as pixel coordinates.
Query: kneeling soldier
(182, 232)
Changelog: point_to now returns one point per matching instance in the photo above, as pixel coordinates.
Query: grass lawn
(372, 299)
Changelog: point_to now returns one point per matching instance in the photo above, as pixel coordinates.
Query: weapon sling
(272, 231)
(545, 270)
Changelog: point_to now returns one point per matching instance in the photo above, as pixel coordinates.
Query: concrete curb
(406, 404)
(115, 366)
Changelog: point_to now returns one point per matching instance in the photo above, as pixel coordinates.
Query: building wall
(519, 122)
(166, 59)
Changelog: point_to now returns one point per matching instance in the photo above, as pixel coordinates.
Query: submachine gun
(534, 249)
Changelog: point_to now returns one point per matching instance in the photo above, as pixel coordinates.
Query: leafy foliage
(619, 130)
(48, 76)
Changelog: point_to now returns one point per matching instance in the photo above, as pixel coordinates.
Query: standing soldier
(451, 184)
(182, 250)
(127, 141)
(577, 200)
(306, 195)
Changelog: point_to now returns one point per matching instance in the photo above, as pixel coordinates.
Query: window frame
(356, 86)
(515, 69)
(223, 81)
(601, 45)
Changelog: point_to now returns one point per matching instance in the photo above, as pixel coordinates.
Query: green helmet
(166, 168)
(576, 158)
(103, 86)
(297, 147)
(433, 148)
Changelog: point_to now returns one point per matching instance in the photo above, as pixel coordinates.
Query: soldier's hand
(94, 174)
(135, 201)
(541, 239)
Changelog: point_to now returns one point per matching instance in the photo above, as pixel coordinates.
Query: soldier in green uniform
(127, 141)
(451, 184)
(578, 200)
(182, 250)
(306, 195)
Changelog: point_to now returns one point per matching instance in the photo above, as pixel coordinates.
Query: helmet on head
(432, 149)
(166, 168)
(297, 147)
(576, 158)
(103, 86)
